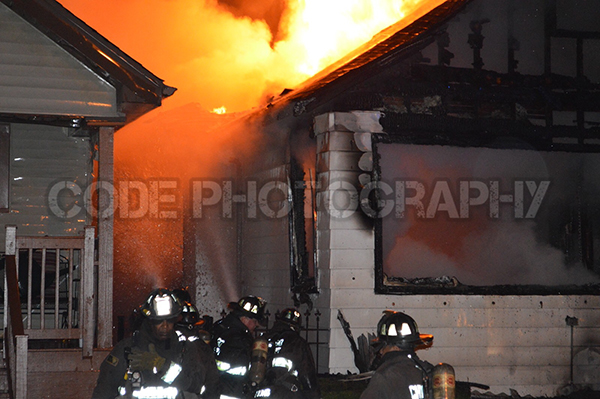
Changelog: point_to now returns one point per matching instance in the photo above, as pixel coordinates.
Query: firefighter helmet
(189, 316)
(400, 329)
(183, 294)
(249, 306)
(161, 304)
(292, 317)
(189, 312)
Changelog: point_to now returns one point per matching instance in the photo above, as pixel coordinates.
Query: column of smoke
(216, 53)
(231, 53)
(176, 145)
(480, 250)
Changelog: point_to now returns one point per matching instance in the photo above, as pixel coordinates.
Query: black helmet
(161, 304)
(189, 316)
(400, 329)
(249, 306)
(292, 317)
(183, 294)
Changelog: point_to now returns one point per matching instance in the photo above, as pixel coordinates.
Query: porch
(50, 340)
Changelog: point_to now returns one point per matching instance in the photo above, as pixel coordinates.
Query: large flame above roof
(327, 30)
(224, 53)
(221, 55)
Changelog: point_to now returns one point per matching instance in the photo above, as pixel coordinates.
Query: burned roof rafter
(398, 40)
(485, 132)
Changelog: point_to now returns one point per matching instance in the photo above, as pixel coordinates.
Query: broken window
(467, 219)
(302, 233)
(4, 166)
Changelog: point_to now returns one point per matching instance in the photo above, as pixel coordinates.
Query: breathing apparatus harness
(280, 371)
(134, 380)
(426, 371)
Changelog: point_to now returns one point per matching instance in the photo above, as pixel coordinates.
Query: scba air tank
(258, 362)
(444, 384)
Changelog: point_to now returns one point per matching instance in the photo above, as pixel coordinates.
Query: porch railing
(55, 286)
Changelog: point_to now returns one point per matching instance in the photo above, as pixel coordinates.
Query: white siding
(506, 342)
(40, 157)
(39, 77)
(345, 244)
(266, 250)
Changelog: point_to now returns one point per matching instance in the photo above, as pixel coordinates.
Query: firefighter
(291, 369)
(192, 327)
(232, 341)
(191, 324)
(156, 361)
(399, 373)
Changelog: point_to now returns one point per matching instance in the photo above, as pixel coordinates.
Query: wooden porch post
(87, 294)
(105, 237)
(20, 385)
(15, 341)
(10, 249)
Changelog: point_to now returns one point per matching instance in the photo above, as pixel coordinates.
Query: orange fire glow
(220, 110)
(324, 31)
(215, 58)
(222, 61)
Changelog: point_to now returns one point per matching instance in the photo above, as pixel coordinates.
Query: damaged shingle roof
(395, 38)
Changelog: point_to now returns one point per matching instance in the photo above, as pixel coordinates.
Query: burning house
(448, 168)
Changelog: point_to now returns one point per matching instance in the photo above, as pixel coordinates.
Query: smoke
(232, 53)
(269, 11)
(212, 56)
(479, 249)
(166, 151)
(235, 53)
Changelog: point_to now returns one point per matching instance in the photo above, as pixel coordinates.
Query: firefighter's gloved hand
(146, 360)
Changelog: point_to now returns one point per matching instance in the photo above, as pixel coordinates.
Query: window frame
(301, 280)
(385, 285)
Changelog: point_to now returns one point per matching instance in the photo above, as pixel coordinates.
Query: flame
(216, 58)
(327, 30)
(321, 32)
(218, 61)
(220, 110)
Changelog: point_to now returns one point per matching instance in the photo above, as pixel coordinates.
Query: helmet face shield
(161, 305)
(401, 330)
(250, 306)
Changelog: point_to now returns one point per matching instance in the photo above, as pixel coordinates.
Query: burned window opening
(302, 232)
(580, 219)
(4, 167)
